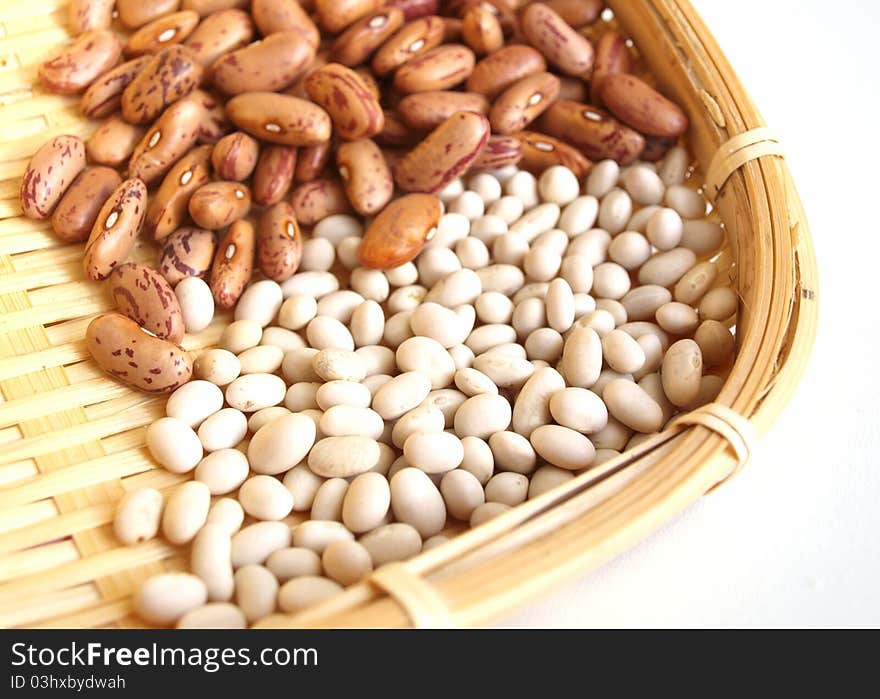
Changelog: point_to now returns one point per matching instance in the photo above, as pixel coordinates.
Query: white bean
(138, 516)
(366, 502)
(174, 444)
(196, 303)
(185, 512)
(281, 444)
(164, 598)
(223, 471)
(265, 498)
(194, 401)
(415, 500)
(259, 302)
(563, 447)
(481, 415)
(219, 366)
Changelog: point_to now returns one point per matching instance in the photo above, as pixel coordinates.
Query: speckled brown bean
(49, 173)
(499, 70)
(207, 7)
(499, 151)
(413, 9)
(439, 69)
(217, 204)
(105, 94)
(136, 13)
(573, 89)
(577, 13)
(357, 43)
(233, 263)
(87, 15)
(220, 33)
(452, 30)
(444, 155)
(273, 174)
(279, 242)
(612, 56)
(115, 229)
(481, 29)
(187, 252)
(396, 134)
(280, 119)
(298, 88)
(365, 175)
(267, 65)
(638, 104)
(415, 38)
(121, 348)
(235, 156)
(311, 161)
(76, 212)
(162, 32)
(561, 45)
(173, 134)
(214, 124)
(424, 111)
(170, 75)
(523, 102)
(113, 142)
(272, 16)
(595, 133)
(541, 152)
(145, 296)
(656, 147)
(503, 10)
(168, 206)
(400, 231)
(78, 64)
(318, 199)
(352, 106)
(336, 15)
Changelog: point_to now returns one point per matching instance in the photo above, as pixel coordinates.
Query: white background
(792, 540)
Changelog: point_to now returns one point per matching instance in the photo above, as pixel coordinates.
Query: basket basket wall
(72, 439)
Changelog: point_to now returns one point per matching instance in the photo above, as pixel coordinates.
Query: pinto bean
(365, 175)
(187, 252)
(51, 170)
(273, 174)
(91, 55)
(79, 207)
(115, 229)
(279, 242)
(147, 298)
(168, 206)
(121, 348)
(233, 263)
(444, 154)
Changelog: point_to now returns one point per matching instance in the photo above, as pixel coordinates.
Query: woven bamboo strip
(17, 471)
(41, 277)
(21, 517)
(51, 525)
(44, 259)
(84, 474)
(82, 570)
(32, 561)
(51, 605)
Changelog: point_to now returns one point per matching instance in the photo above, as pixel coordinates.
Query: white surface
(793, 540)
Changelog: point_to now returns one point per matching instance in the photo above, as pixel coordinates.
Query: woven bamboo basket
(72, 439)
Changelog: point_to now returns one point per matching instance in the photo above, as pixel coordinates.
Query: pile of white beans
(541, 332)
